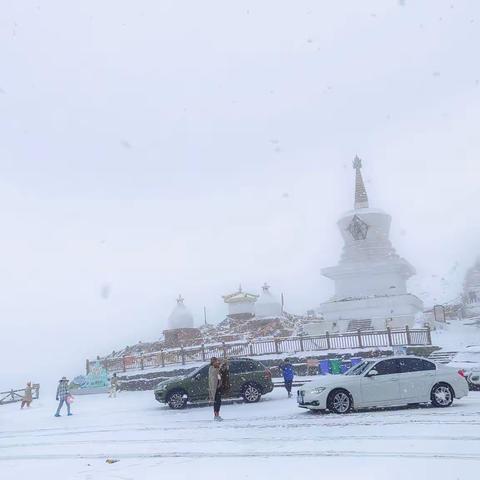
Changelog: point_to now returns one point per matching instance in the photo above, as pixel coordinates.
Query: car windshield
(197, 370)
(360, 368)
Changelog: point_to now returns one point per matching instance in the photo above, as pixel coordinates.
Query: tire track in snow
(258, 454)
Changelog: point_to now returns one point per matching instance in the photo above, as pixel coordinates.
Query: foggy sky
(153, 148)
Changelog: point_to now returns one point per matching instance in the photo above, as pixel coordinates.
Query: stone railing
(285, 345)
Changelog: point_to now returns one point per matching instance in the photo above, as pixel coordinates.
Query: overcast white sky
(147, 147)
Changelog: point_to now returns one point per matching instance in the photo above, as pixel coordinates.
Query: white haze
(155, 148)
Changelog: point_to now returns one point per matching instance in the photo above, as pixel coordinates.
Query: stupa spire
(361, 197)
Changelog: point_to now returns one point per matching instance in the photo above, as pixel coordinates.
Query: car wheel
(339, 401)
(442, 395)
(177, 399)
(251, 393)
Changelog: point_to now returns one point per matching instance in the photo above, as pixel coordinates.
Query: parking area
(274, 435)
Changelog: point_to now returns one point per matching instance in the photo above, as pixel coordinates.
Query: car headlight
(317, 390)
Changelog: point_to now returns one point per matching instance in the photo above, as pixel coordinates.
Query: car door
(199, 385)
(382, 389)
(417, 377)
(240, 373)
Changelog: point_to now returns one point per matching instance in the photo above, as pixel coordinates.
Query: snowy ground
(255, 441)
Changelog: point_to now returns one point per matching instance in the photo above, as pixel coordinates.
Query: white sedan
(386, 382)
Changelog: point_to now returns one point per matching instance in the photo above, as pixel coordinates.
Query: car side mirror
(372, 373)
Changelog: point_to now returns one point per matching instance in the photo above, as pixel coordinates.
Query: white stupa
(370, 279)
(471, 291)
(180, 316)
(268, 305)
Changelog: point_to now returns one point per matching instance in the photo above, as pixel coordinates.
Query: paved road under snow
(273, 437)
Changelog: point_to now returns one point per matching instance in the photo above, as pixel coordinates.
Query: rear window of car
(244, 366)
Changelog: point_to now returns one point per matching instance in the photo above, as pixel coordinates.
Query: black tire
(251, 393)
(177, 399)
(442, 395)
(340, 401)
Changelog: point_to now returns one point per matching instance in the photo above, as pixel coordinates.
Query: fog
(155, 148)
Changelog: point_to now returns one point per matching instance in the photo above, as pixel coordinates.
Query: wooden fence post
(123, 364)
(409, 339)
(359, 333)
(141, 362)
(301, 344)
(327, 336)
(162, 356)
(224, 347)
(429, 335)
(250, 348)
(276, 346)
(203, 352)
(182, 353)
(389, 335)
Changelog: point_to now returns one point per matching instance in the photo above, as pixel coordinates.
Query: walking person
(218, 383)
(288, 375)
(113, 386)
(63, 396)
(27, 397)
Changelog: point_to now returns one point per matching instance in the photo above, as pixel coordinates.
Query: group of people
(64, 397)
(218, 385)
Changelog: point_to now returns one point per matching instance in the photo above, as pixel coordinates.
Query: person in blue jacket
(288, 374)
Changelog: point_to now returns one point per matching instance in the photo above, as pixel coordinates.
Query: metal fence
(13, 396)
(328, 341)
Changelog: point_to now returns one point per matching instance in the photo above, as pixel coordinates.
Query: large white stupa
(180, 316)
(267, 305)
(370, 278)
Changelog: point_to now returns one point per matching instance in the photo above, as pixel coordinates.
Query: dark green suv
(249, 379)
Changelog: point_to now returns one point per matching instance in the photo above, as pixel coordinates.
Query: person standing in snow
(288, 375)
(27, 397)
(113, 386)
(214, 387)
(63, 395)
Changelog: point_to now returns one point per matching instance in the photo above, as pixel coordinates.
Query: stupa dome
(267, 304)
(180, 316)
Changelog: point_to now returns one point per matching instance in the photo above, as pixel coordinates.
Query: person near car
(215, 387)
(27, 397)
(113, 386)
(63, 396)
(288, 375)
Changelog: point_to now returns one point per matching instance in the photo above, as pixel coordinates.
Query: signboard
(96, 378)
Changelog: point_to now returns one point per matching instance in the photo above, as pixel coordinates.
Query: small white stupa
(267, 305)
(180, 316)
(471, 291)
(241, 305)
(370, 279)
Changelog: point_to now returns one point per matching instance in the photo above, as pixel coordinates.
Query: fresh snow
(271, 438)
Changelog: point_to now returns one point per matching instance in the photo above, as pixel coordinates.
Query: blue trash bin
(324, 367)
(356, 361)
(344, 367)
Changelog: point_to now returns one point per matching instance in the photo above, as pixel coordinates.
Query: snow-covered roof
(240, 297)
